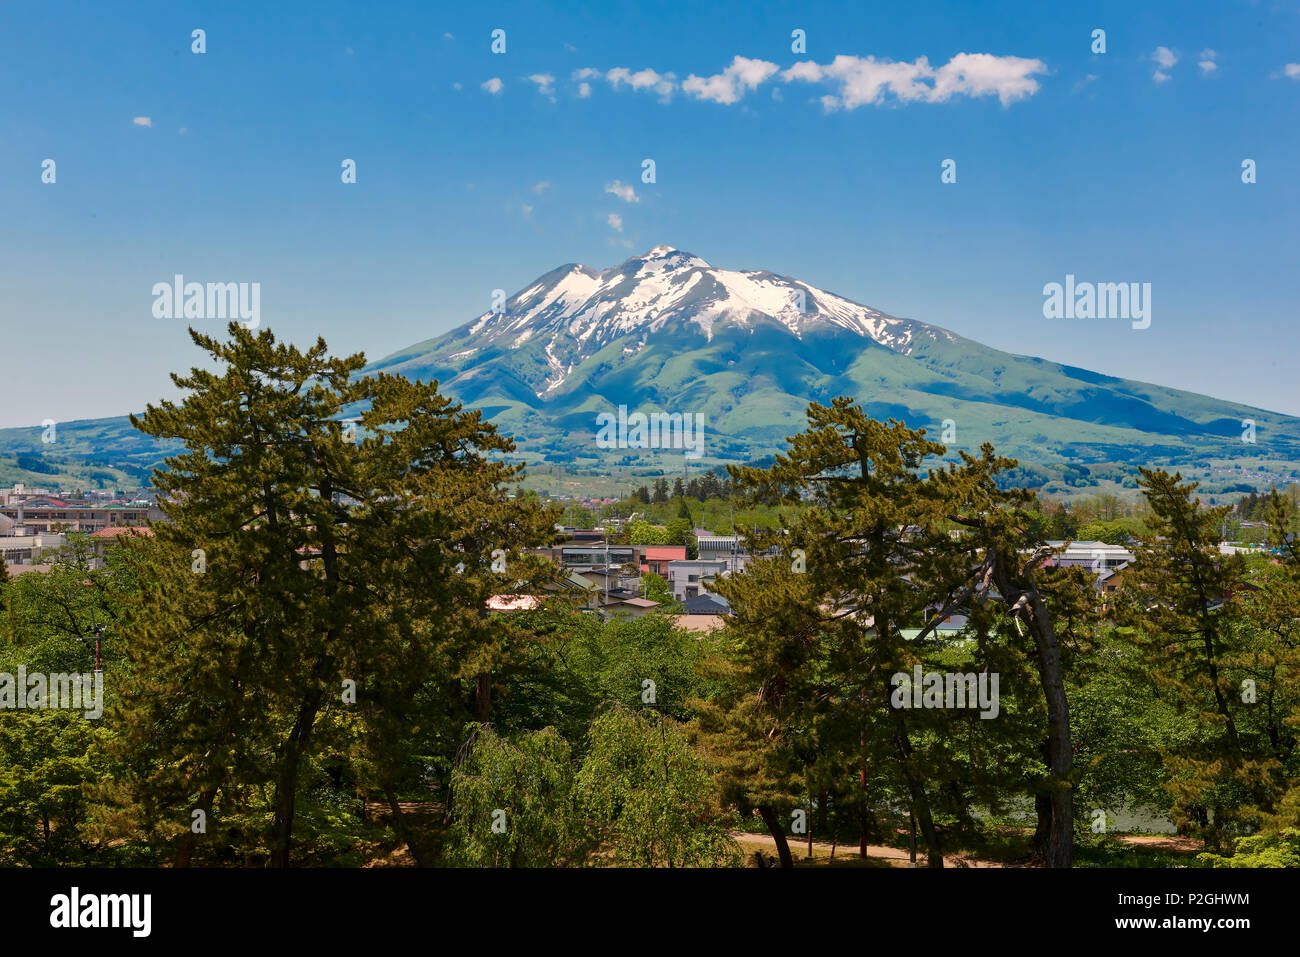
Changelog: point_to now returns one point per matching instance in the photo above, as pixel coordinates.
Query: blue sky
(1115, 167)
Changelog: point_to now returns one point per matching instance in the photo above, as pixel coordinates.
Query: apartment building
(690, 578)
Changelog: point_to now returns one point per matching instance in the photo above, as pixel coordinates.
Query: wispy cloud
(623, 191)
(854, 81)
(143, 121)
(1165, 59)
(616, 221)
(732, 83)
(665, 84)
(861, 81)
(1206, 61)
(545, 84)
(1291, 71)
(493, 86)
(541, 187)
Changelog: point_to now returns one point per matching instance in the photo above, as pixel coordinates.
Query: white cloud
(528, 210)
(640, 80)
(1087, 80)
(1165, 58)
(616, 221)
(455, 86)
(142, 121)
(854, 81)
(448, 36)
(732, 83)
(493, 86)
(623, 191)
(665, 84)
(1206, 61)
(807, 70)
(542, 187)
(866, 80)
(545, 84)
(982, 74)
(1292, 70)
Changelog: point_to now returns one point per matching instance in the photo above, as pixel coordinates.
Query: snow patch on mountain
(576, 311)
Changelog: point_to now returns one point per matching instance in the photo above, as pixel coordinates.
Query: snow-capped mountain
(744, 352)
(574, 312)
(589, 309)
(667, 331)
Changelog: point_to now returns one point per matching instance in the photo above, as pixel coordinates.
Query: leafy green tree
(51, 760)
(48, 761)
(648, 796)
(656, 589)
(679, 532)
(513, 803)
(1261, 850)
(643, 533)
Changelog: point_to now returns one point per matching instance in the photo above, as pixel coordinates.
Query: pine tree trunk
(483, 697)
(287, 784)
(1060, 752)
(916, 791)
(774, 828)
(400, 828)
(1043, 831)
(1043, 810)
(185, 846)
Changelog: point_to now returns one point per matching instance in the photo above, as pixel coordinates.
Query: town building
(657, 558)
(691, 577)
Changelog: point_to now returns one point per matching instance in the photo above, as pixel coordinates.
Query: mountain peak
(665, 256)
(574, 312)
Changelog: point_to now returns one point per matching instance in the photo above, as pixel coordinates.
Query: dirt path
(900, 858)
(895, 856)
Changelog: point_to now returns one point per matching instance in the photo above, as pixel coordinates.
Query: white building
(1096, 556)
(693, 576)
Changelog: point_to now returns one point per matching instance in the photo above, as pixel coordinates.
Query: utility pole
(98, 631)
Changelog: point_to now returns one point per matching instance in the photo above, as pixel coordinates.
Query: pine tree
(1184, 618)
(872, 519)
(885, 547)
(299, 558)
(660, 491)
